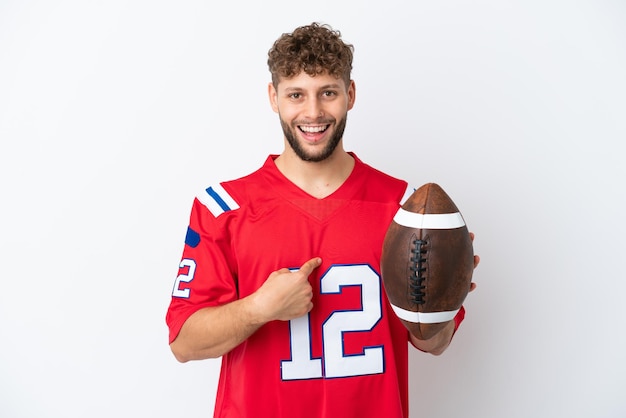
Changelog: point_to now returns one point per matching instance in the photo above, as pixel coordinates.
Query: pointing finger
(308, 267)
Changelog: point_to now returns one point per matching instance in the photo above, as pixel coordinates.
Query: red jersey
(348, 357)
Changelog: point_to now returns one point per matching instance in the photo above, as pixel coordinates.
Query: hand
(286, 294)
(476, 262)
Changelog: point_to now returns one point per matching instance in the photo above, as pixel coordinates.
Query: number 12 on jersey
(334, 363)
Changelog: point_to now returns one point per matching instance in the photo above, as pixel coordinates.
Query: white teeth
(313, 129)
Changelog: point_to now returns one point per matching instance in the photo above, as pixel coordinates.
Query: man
(281, 269)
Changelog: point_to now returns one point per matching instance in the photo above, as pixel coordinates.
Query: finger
(471, 234)
(308, 267)
(476, 261)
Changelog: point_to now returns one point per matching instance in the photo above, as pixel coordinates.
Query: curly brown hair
(314, 49)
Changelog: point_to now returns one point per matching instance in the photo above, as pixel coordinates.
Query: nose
(313, 108)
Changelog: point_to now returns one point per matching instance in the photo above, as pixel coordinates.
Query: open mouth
(307, 129)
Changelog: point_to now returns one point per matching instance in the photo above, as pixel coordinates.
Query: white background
(113, 114)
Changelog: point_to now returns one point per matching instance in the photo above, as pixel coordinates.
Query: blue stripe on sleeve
(193, 238)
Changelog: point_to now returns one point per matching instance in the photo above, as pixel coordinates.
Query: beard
(302, 153)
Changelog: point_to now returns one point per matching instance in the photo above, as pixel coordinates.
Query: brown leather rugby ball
(427, 261)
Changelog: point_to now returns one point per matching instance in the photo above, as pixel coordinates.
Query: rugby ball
(427, 261)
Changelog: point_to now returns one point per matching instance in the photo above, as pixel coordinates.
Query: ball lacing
(417, 267)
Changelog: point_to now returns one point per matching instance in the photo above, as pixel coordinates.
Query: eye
(295, 96)
(329, 93)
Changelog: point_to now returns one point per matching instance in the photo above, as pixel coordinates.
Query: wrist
(256, 309)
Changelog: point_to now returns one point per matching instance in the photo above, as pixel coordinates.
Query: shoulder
(385, 185)
(217, 200)
(229, 196)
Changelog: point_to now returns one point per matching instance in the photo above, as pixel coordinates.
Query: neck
(319, 179)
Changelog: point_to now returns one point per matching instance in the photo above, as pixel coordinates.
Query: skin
(313, 103)
(312, 112)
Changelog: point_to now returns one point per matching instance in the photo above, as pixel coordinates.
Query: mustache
(318, 121)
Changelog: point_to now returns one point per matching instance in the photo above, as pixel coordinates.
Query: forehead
(303, 81)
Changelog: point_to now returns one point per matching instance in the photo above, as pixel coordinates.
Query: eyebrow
(324, 87)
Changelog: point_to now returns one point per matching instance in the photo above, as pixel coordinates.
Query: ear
(273, 96)
(351, 94)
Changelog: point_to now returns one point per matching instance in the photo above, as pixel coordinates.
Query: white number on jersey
(187, 277)
(334, 362)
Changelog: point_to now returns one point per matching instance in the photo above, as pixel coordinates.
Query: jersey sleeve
(206, 276)
(458, 318)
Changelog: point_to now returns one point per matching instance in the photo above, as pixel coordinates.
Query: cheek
(287, 115)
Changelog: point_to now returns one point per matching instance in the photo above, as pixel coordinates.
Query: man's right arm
(212, 332)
